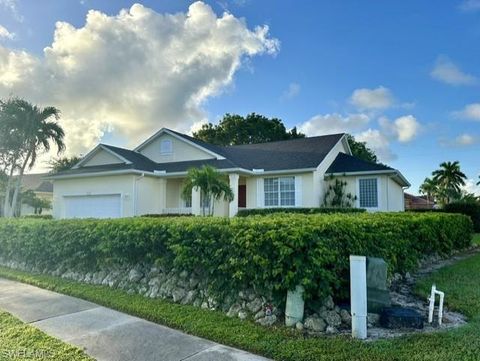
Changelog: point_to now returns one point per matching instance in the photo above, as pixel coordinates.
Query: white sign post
(358, 296)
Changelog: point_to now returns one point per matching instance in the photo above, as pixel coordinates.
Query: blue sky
(404, 76)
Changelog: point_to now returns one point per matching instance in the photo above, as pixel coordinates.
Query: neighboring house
(42, 188)
(115, 182)
(417, 202)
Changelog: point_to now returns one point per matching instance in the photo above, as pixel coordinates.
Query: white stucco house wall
(112, 182)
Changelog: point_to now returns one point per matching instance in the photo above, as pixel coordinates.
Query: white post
(196, 206)
(432, 304)
(233, 206)
(162, 202)
(358, 296)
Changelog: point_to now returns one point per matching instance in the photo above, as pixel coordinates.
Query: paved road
(106, 334)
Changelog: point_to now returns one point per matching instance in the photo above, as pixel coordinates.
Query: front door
(242, 196)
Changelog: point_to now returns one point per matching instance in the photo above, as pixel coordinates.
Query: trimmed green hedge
(297, 210)
(471, 209)
(272, 254)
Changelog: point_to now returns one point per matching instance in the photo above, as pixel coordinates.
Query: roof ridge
(284, 140)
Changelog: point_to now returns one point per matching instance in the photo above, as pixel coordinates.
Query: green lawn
(460, 282)
(19, 341)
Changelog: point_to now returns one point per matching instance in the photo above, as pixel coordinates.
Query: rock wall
(184, 288)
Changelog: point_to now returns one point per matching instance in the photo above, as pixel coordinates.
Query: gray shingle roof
(345, 163)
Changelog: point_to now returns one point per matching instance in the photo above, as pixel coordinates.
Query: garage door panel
(93, 206)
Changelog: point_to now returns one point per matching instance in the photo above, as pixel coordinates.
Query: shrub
(326, 210)
(38, 216)
(271, 254)
(471, 209)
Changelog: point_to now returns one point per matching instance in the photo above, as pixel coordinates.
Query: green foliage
(272, 254)
(360, 150)
(212, 185)
(336, 196)
(38, 216)
(296, 210)
(279, 343)
(471, 209)
(19, 341)
(62, 163)
(235, 129)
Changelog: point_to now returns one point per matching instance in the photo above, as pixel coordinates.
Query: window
(166, 147)
(279, 191)
(368, 193)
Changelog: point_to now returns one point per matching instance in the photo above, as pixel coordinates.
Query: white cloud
(470, 111)
(134, 72)
(4, 33)
(446, 71)
(472, 187)
(378, 98)
(12, 7)
(292, 91)
(470, 5)
(404, 129)
(378, 142)
(462, 140)
(465, 139)
(333, 123)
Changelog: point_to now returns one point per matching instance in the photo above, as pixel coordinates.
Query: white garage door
(93, 206)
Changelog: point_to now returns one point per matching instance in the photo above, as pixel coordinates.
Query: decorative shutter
(260, 193)
(298, 191)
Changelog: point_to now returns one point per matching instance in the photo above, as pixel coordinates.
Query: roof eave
(402, 180)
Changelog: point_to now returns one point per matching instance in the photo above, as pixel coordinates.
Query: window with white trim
(166, 147)
(368, 192)
(279, 191)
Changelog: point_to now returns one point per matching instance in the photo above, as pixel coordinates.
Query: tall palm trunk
(18, 184)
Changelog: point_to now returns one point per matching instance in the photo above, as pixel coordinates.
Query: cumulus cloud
(378, 142)
(470, 5)
(378, 98)
(4, 33)
(447, 72)
(292, 91)
(472, 187)
(404, 129)
(134, 72)
(462, 140)
(470, 111)
(334, 123)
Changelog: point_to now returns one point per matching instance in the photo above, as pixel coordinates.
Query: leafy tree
(360, 150)
(38, 204)
(429, 187)
(235, 129)
(212, 185)
(62, 163)
(449, 179)
(27, 131)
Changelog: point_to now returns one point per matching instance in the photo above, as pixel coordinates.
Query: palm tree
(449, 179)
(478, 183)
(429, 188)
(212, 185)
(62, 163)
(33, 126)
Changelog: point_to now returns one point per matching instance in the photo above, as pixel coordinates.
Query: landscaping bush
(38, 216)
(471, 209)
(265, 211)
(271, 254)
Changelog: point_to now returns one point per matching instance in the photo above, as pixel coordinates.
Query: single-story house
(112, 182)
(41, 188)
(418, 202)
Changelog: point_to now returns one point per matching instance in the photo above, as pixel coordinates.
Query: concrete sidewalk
(106, 334)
